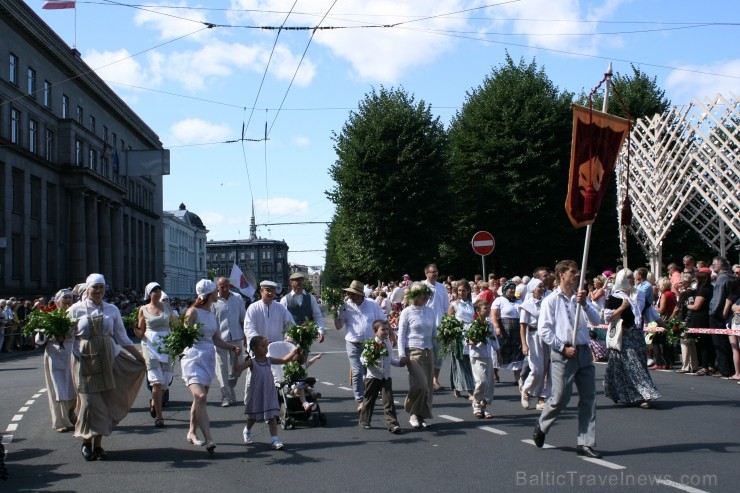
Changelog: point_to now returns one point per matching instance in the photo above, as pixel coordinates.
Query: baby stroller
(291, 407)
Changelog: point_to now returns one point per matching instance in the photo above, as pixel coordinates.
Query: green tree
(390, 189)
(641, 95)
(510, 148)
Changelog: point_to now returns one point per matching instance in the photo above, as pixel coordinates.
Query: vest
(301, 312)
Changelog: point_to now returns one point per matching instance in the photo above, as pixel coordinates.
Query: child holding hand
(482, 364)
(262, 399)
(378, 379)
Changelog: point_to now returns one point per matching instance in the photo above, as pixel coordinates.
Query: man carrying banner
(302, 305)
(230, 311)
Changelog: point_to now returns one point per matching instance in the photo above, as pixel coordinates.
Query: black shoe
(99, 454)
(585, 451)
(87, 452)
(538, 436)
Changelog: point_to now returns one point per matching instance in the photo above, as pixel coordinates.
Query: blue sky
(196, 86)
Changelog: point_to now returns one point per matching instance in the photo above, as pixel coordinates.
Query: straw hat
(356, 287)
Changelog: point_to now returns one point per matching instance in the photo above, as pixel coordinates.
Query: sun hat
(205, 287)
(356, 287)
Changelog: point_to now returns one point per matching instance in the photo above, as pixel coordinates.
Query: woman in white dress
(60, 389)
(505, 319)
(153, 324)
(199, 361)
(108, 378)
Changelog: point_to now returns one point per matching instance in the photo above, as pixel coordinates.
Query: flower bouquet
(294, 372)
(449, 334)
(675, 332)
(303, 335)
(333, 299)
(181, 337)
(49, 322)
(372, 352)
(480, 331)
(130, 321)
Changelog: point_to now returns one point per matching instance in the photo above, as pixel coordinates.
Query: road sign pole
(483, 260)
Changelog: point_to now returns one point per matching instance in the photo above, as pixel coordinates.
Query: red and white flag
(239, 281)
(58, 4)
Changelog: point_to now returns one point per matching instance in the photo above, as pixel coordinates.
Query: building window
(251, 255)
(33, 136)
(123, 145)
(31, 82)
(104, 166)
(35, 197)
(48, 144)
(279, 267)
(114, 140)
(79, 115)
(15, 125)
(18, 256)
(51, 205)
(78, 152)
(35, 259)
(223, 256)
(18, 191)
(13, 76)
(105, 134)
(47, 94)
(266, 255)
(267, 268)
(92, 124)
(92, 160)
(279, 255)
(65, 106)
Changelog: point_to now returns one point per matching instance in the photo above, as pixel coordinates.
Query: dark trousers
(722, 349)
(372, 387)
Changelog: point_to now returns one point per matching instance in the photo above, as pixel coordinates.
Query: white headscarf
(94, 279)
(531, 304)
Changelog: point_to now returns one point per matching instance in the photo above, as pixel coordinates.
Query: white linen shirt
(439, 301)
(358, 320)
(266, 320)
(112, 324)
(555, 324)
(230, 313)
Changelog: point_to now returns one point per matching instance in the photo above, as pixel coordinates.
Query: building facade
(258, 258)
(68, 206)
(184, 252)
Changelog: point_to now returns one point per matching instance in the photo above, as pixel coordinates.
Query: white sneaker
(277, 445)
(247, 435)
(414, 422)
(525, 400)
(225, 403)
(426, 423)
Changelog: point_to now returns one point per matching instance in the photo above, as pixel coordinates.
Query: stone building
(184, 252)
(75, 197)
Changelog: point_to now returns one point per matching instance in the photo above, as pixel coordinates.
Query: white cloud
(197, 131)
(301, 141)
(119, 66)
(284, 63)
(683, 87)
(211, 219)
(282, 206)
(171, 23)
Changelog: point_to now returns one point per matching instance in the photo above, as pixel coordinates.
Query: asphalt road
(689, 442)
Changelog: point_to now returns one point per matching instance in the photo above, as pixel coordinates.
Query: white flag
(239, 281)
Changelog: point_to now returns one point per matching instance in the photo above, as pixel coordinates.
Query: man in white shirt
(569, 363)
(396, 297)
(265, 317)
(302, 305)
(230, 311)
(440, 303)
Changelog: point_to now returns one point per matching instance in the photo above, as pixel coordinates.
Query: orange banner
(597, 140)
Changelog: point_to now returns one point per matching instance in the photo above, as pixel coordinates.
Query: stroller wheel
(285, 423)
(322, 419)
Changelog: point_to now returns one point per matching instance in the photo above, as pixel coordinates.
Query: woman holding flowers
(60, 389)
(416, 332)
(198, 363)
(461, 373)
(627, 380)
(505, 319)
(153, 323)
(107, 378)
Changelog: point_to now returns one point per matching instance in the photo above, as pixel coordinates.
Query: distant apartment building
(184, 252)
(73, 198)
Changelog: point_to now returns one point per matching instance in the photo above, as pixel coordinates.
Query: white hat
(205, 287)
(149, 288)
(268, 284)
(94, 279)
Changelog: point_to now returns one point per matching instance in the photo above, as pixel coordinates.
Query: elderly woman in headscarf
(537, 382)
(417, 329)
(60, 389)
(505, 319)
(107, 368)
(627, 379)
(153, 323)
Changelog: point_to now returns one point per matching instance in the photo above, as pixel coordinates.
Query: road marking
(397, 403)
(7, 439)
(28, 403)
(531, 442)
(493, 430)
(679, 486)
(23, 409)
(327, 383)
(12, 427)
(43, 390)
(36, 396)
(17, 417)
(344, 388)
(601, 462)
(451, 418)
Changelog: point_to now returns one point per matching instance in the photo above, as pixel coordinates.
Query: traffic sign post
(483, 244)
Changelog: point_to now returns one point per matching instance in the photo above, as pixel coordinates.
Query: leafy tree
(510, 148)
(641, 95)
(390, 189)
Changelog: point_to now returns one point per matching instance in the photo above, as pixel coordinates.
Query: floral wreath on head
(413, 293)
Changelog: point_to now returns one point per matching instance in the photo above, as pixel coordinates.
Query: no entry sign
(483, 243)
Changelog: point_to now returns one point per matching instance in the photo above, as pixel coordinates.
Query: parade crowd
(539, 332)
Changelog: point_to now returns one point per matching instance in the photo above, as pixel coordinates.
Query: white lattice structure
(684, 164)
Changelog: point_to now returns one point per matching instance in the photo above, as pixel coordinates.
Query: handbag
(614, 336)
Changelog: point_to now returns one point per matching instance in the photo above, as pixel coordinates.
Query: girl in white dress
(199, 361)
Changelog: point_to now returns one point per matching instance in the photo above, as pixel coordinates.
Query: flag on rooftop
(58, 4)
